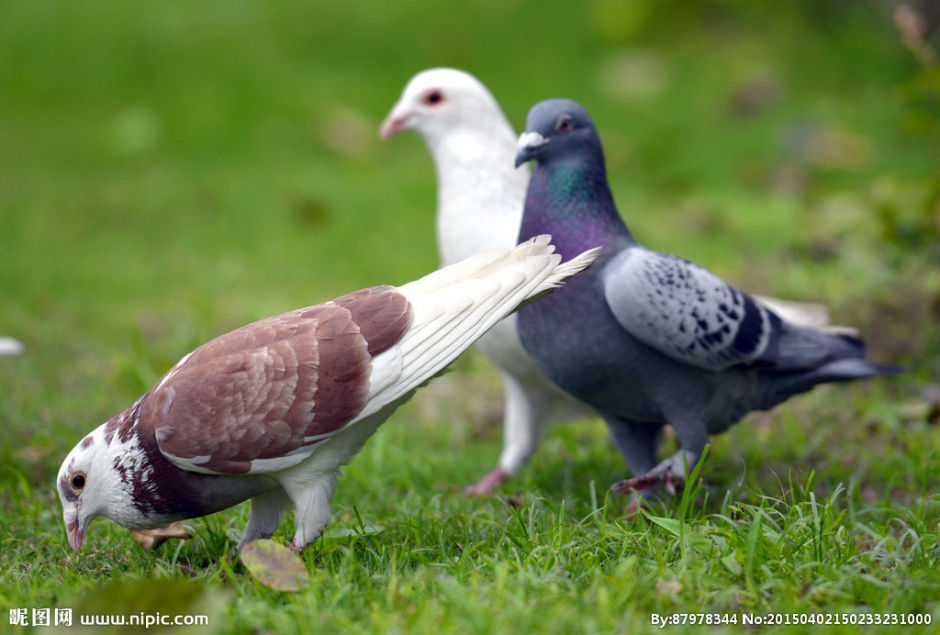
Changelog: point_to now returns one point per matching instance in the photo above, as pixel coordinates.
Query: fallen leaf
(274, 565)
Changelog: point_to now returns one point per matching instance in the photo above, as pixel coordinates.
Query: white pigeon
(271, 411)
(480, 199)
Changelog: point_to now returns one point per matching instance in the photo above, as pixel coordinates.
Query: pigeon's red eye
(565, 124)
(78, 481)
(433, 97)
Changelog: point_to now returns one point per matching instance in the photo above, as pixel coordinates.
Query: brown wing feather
(382, 313)
(262, 391)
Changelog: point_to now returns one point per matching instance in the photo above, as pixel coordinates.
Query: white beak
(531, 140)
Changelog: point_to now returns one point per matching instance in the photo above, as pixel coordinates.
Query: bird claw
(669, 483)
(662, 473)
(637, 483)
(150, 539)
(488, 484)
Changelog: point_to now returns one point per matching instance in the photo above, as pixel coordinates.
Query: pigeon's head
(440, 101)
(90, 485)
(556, 128)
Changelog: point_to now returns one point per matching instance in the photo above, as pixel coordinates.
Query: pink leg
(488, 484)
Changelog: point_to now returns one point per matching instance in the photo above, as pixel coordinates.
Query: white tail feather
(454, 306)
(811, 315)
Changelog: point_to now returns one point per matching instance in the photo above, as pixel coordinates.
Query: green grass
(171, 171)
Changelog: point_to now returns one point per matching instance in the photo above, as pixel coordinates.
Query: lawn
(170, 171)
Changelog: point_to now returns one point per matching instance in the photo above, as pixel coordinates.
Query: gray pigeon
(479, 207)
(649, 338)
(273, 410)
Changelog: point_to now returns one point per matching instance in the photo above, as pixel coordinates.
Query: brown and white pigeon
(480, 199)
(271, 411)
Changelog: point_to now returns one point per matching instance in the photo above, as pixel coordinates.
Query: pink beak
(393, 125)
(76, 536)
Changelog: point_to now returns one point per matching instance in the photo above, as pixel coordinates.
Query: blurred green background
(169, 171)
(172, 170)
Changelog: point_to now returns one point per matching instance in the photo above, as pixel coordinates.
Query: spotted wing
(684, 311)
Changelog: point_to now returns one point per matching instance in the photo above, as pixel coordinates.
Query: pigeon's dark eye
(78, 481)
(565, 124)
(433, 97)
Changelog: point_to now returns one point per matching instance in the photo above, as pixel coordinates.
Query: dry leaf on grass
(274, 565)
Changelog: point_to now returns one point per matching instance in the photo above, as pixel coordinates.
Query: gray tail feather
(784, 385)
(796, 349)
(848, 369)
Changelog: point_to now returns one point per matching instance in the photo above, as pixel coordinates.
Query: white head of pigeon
(271, 411)
(479, 194)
